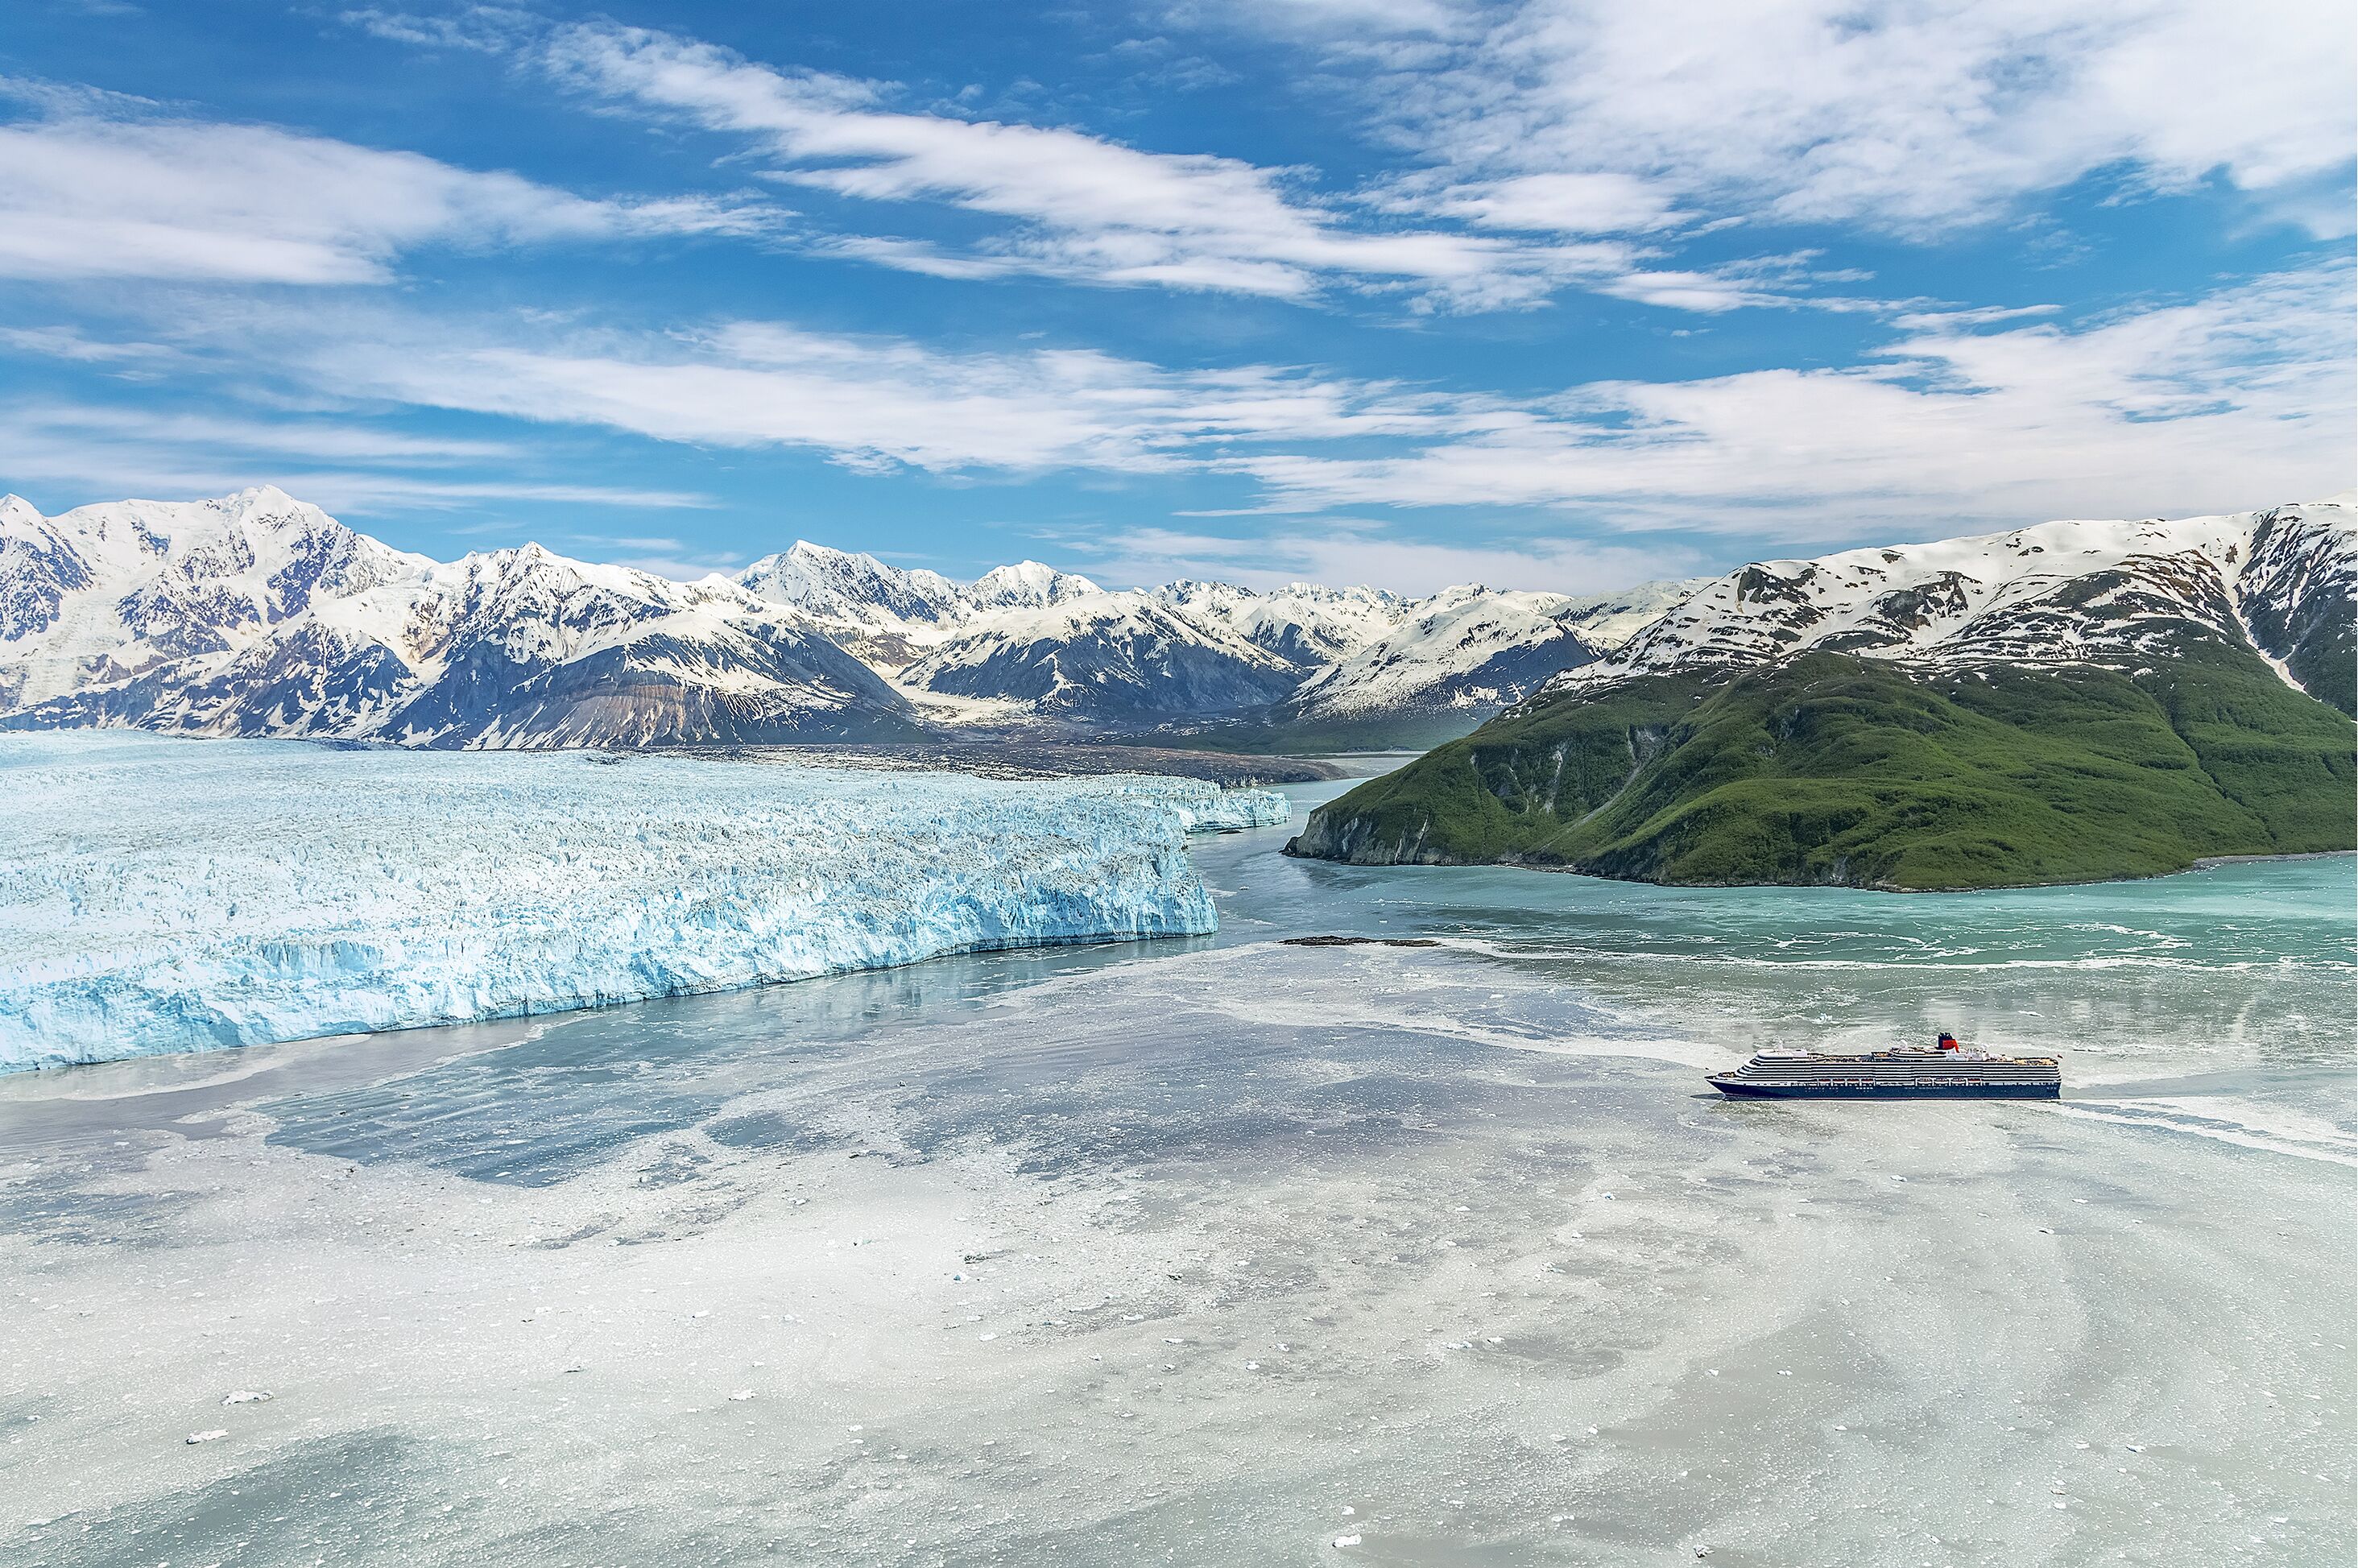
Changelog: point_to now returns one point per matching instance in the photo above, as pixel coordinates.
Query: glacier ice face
(160, 895)
(1208, 809)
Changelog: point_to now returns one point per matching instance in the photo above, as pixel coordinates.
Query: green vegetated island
(2070, 703)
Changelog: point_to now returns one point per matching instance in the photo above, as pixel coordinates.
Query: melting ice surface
(160, 895)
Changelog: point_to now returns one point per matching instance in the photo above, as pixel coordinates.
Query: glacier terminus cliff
(161, 895)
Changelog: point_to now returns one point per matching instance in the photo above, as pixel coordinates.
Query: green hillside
(1841, 769)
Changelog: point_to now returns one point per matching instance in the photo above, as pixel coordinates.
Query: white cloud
(102, 454)
(2244, 398)
(1908, 115)
(1079, 206)
(73, 343)
(84, 197)
(1595, 202)
(479, 29)
(2240, 399)
(869, 403)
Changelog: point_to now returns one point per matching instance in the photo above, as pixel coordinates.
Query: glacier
(162, 895)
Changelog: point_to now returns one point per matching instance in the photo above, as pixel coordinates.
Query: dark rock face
(2299, 597)
(36, 575)
(1135, 663)
(640, 694)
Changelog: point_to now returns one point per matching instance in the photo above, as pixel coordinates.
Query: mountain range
(259, 614)
(2074, 701)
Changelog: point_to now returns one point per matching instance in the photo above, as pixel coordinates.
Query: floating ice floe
(160, 895)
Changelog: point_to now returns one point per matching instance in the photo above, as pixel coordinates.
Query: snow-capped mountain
(1120, 656)
(105, 593)
(1475, 648)
(258, 614)
(2121, 594)
(1028, 639)
(856, 589)
(1026, 585)
(889, 616)
(1305, 625)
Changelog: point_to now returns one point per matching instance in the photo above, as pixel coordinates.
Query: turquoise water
(2276, 915)
(2236, 984)
(1222, 1249)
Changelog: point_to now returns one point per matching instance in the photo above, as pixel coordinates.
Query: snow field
(160, 896)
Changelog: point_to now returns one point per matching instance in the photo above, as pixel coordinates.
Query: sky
(1541, 294)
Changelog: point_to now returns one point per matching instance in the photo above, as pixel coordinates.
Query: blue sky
(1548, 294)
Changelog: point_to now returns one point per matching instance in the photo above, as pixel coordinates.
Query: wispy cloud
(873, 403)
(82, 452)
(479, 29)
(2241, 397)
(681, 559)
(1910, 116)
(104, 190)
(1079, 206)
(74, 344)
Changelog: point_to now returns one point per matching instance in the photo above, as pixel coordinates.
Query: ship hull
(1771, 1090)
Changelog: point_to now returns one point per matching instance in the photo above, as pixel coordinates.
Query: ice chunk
(160, 895)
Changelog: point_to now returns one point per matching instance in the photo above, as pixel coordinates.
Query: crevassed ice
(160, 895)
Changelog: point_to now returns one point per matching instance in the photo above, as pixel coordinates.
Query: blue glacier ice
(162, 895)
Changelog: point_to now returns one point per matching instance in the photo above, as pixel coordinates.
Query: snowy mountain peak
(1104, 656)
(1465, 648)
(254, 613)
(257, 613)
(1028, 582)
(2091, 592)
(850, 589)
(263, 500)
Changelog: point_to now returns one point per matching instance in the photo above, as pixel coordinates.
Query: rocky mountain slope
(2070, 701)
(259, 614)
(1106, 657)
(1469, 649)
(887, 616)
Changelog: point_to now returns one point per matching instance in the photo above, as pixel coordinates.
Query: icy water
(1222, 1251)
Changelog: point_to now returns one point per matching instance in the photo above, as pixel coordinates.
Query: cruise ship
(1951, 1070)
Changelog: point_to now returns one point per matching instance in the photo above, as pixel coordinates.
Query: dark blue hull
(1772, 1090)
